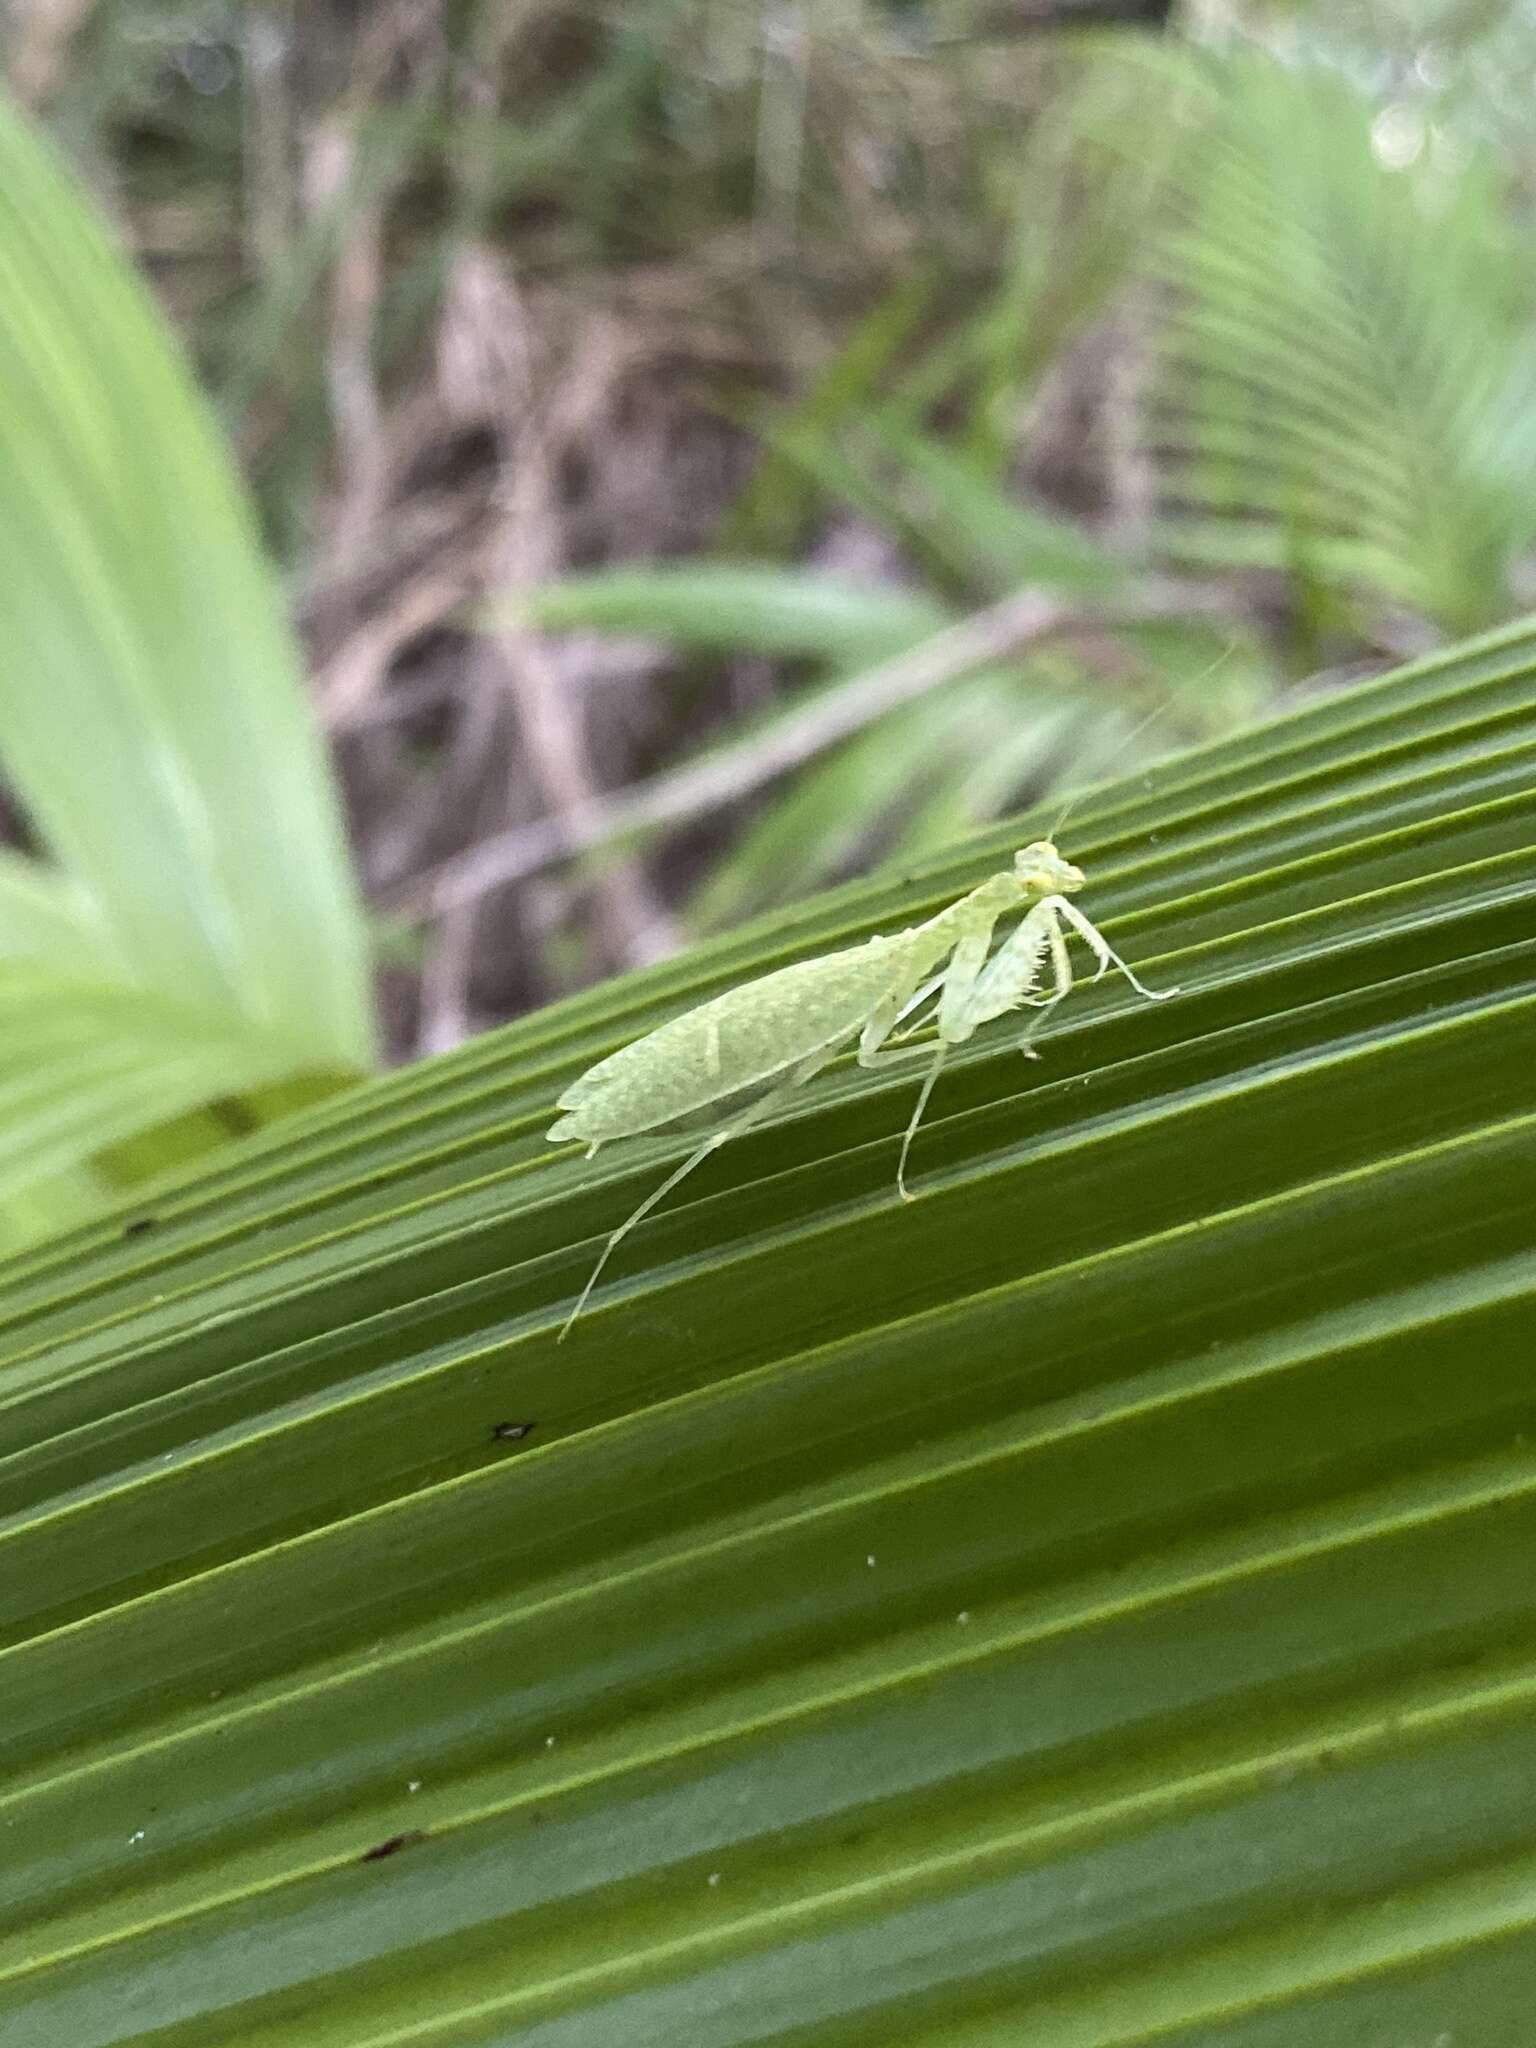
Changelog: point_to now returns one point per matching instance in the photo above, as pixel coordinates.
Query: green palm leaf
(189, 929)
(1092, 1605)
(751, 606)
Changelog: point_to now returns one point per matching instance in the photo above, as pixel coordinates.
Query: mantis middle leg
(977, 990)
(957, 982)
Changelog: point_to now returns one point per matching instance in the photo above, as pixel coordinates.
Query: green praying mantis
(774, 1033)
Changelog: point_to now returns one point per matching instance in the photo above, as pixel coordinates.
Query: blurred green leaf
(1089, 1605)
(962, 753)
(779, 503)
(1073, 249)
(742, 606)
(944, 501)
(1348, 370)
(195, 930)
(44, 915)
(928, 773)
(970, 746)
(86, 1064)
(861, 800)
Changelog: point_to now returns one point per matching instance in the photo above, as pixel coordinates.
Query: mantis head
(1043, 872)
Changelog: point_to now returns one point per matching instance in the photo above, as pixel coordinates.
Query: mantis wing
(743, 1039)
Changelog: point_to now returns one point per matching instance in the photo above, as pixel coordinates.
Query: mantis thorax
(1038, 871)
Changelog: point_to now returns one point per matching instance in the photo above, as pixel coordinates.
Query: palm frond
(1345, 372)
(1091, 1604)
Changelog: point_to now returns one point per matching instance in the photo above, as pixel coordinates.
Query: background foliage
(862, 309)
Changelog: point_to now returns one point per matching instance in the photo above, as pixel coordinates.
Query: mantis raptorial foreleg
(901, 998)
(1010, 977)
(967, 955)
(1061, 970)
(975, 990)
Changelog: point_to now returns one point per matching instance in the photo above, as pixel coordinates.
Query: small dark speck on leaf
(140, 1225)
(392, 1846)
(512, 1432)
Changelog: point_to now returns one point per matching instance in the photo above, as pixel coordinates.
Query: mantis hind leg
(888, 1056)
(910, 1133)
(728, 1130)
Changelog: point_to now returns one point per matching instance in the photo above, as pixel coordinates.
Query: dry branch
(1016, 625)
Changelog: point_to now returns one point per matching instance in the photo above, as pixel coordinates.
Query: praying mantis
(774, 1033)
